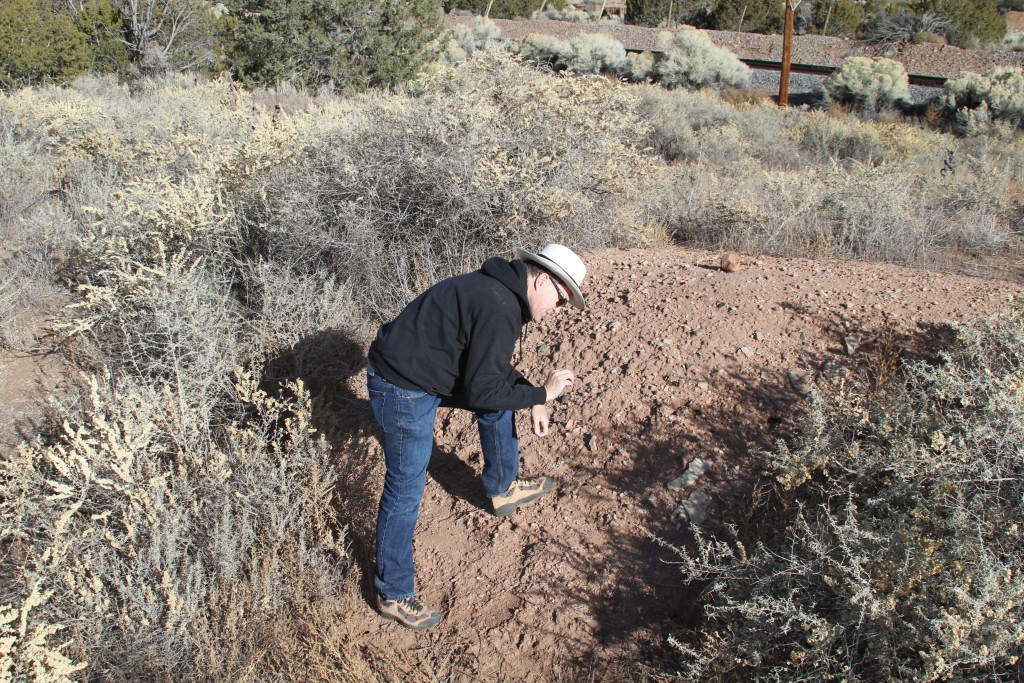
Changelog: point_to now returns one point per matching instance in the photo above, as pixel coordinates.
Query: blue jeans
(407, 420)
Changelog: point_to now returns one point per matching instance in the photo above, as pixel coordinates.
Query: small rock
(800, 380)
(730, 263)
(591, 443)
(702, 386)
(694, 509)
(853, 341)
(698, 466)
(748, 351)
(758, 336)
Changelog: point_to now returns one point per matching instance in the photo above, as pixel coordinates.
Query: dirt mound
(681, 366)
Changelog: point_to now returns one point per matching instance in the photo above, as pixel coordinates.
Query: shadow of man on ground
(330, 364)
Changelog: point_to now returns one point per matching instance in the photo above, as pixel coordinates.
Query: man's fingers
(540, 420)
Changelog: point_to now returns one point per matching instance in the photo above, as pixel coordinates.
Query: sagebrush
(904, 520)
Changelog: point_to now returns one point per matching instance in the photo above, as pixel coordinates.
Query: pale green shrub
(467, 41)
(825, 214)
(524, 156)
(677, 116)
(870, 83)
(25, 650)
(640, 67)
(172, 544)
(569, 14)
(905, 523)
(975, 100)
(594, 53)
(33, 226)
(545, 49)
(689, 58)
(1014, 42)
(165, 317)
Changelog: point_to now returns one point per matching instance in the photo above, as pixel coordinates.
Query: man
(452, 346)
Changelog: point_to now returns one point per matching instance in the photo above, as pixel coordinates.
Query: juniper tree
(348, 44)
(38, 45)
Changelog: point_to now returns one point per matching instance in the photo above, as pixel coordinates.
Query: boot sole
(429, 623)
(509, 508)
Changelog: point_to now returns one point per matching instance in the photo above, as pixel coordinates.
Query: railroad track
(821, 70)
(638, 39)
(824, 71)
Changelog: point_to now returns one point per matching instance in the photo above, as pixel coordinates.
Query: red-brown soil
(27, 380)
(676, 359)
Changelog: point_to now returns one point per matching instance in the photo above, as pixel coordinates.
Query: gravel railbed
(804, 87)
(924, 60)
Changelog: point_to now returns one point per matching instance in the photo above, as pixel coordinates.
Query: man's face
(547, 296)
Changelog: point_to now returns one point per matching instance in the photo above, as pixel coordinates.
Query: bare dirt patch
(27, 379)
(677, 360)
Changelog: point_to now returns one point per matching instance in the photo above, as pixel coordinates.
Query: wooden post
(787, 54)
(487, 12)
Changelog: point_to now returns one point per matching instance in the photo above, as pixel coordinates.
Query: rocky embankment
(924, 60)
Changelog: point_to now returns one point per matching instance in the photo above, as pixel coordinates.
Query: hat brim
(575, 295)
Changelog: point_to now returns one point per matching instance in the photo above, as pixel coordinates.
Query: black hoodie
(457, 338)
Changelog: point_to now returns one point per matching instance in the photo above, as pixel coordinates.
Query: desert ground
(681, 367)
(678, 362)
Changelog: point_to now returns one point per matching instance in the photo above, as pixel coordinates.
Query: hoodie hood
(512, 274)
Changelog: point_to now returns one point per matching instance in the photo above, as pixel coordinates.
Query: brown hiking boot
(409, 612)
(521, 492)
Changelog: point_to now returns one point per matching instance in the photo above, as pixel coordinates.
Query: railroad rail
(638, 39)
(822, 70)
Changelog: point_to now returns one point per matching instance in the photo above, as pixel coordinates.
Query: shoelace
(412, 605)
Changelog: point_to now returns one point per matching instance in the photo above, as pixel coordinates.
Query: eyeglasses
(562, 299)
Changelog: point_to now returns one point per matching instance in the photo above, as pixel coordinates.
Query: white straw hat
(564, 264)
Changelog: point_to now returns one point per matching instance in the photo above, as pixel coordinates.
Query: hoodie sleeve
(489, 380)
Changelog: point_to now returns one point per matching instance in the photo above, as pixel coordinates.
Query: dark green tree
(349, 44)
(647, 12)
(500, 9)
(837, 17)
(38, 45)
(104, 30)
(974, 23)
(665, 12)
(752, 16)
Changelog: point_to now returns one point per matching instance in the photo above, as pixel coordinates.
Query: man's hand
(539, 417)
(557, 382)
